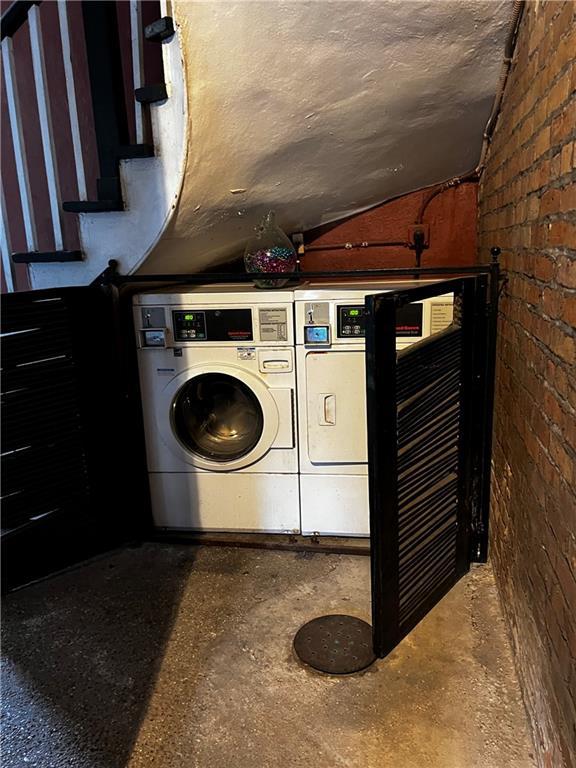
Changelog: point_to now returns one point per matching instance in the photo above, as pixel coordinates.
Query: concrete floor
(173, 655)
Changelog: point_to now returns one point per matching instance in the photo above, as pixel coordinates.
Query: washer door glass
(217, 417)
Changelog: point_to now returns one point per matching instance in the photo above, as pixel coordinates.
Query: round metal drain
(337, 645)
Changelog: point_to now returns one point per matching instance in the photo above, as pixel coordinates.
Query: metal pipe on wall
(349, 246)
(517, 11)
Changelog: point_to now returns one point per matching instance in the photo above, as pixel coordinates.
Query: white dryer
(218, 381)
(330, 363)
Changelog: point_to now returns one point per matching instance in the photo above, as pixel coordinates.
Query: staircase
(94, 120)
(157, 133)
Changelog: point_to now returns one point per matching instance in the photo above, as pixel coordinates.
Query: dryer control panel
(352, 321)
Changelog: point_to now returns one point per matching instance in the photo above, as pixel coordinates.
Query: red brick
(562, 233)
(543, 268)
(568, 314)
(555, 167)
(550, 202)
(558, 93)
(551, 304)
(542, 142)
(540, 113)
(567, 198)
(566, 159)
(566, 272)
(564, 124)
(541, 235)
(544, 171)
(561, 457)
(562, 344)
(565, 22)
(566, 46)
(557, 378)
(552, 408)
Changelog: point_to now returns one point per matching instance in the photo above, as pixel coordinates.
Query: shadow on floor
(171, 656)
(81, 653)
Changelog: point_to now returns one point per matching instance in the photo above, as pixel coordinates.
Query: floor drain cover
(337, 645)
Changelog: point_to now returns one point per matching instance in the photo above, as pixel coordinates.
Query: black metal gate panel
(43, 436)
(429, 430)
(63, 431)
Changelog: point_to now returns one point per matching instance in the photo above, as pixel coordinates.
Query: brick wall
(527, 206)
(451, 218)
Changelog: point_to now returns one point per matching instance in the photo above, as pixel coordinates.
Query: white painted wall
(319, 109)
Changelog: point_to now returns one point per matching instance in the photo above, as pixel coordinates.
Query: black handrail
(110, 275)
(15, 16)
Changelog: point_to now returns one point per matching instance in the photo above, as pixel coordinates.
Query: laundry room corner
(288, 395)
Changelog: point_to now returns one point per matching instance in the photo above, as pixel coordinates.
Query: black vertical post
(107, 88)
(471, 297)
(382, 462)
(491, 325)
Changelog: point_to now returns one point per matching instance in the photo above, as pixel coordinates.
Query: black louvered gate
(429, 441)
(65, 412)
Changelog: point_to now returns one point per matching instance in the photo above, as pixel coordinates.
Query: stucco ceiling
(319, 109)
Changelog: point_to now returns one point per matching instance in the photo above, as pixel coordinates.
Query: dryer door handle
(327, 410)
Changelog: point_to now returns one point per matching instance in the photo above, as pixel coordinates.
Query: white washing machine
(218, 382)
(330, 364)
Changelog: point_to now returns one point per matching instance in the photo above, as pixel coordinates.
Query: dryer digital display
(352, 321)
(213, 325)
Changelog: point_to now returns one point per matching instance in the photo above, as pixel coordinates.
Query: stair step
(159, 30)
(93, 206)
(45, 257)
(16, 14)
(135, 151)
(149, 94)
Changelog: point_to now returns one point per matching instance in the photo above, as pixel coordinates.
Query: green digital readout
(354, 312)
(188, 317)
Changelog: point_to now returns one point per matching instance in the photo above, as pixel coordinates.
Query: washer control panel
(212, 325)
(189, 326)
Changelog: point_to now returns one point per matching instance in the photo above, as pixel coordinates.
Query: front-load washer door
(217, 417)
(218, 420)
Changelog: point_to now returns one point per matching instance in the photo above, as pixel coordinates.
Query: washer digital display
(316, 334)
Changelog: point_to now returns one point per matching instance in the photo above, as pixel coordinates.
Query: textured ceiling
(320, 109)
